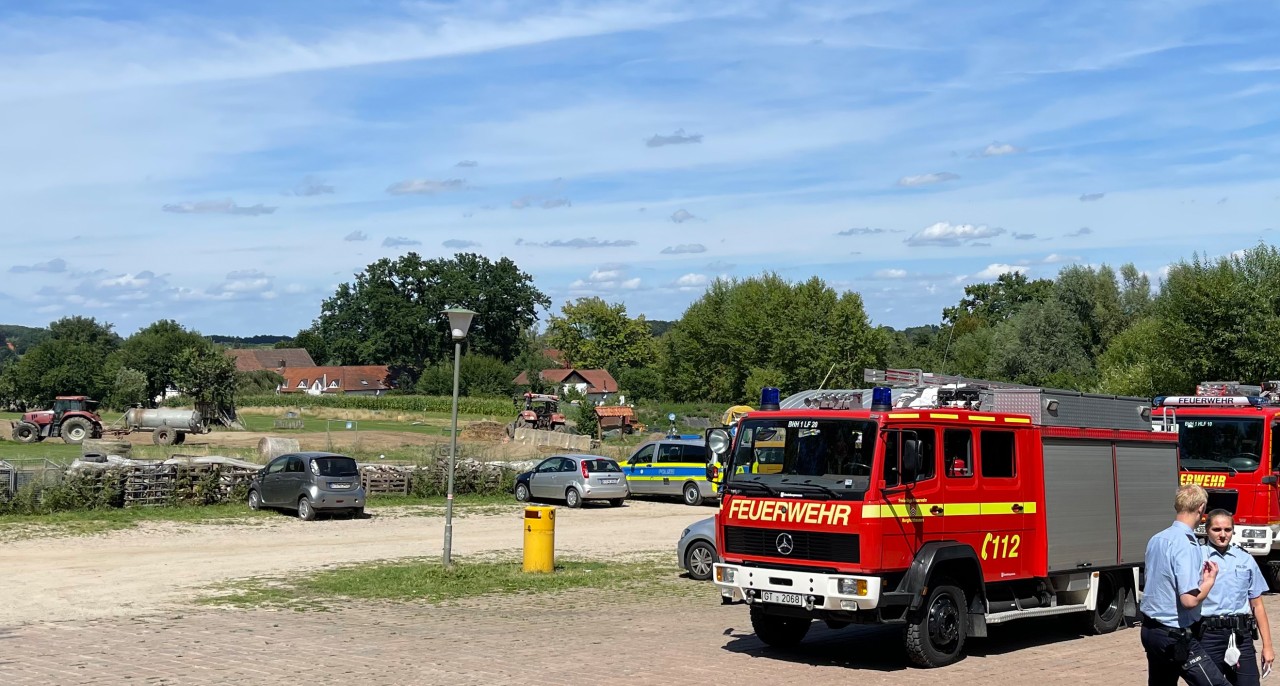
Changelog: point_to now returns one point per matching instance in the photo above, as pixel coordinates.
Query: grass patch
(429, 581)
(89, 522)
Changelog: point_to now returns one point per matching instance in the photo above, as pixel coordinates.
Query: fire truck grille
(804, 545)
(1223, 499)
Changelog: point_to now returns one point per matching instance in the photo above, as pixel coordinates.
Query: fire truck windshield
(1229, 444)
(825, 457)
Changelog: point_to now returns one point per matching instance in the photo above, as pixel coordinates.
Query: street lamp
(459, 322)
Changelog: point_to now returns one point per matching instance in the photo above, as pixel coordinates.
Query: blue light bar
(881, 398)
(769, 398)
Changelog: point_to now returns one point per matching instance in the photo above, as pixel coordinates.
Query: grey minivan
(671, 466)
(309, 483)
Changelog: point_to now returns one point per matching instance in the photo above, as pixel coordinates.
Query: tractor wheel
(163, 436)
(26, 432)
(76, 429)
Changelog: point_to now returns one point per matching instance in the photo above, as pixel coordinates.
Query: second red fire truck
(973, 505)
(1227, 438)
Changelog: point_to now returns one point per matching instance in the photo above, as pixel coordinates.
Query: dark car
(309, 483)
(574, 479)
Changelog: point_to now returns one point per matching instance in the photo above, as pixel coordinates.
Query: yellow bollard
(539, 539)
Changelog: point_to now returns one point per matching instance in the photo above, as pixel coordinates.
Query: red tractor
(72, 418)
(540, 412)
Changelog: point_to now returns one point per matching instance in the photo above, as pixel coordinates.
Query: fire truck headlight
(1254, 533)
(852, 587)
(725, 575)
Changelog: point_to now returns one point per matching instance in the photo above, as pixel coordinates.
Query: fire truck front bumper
(1257, 539)
(805, 590)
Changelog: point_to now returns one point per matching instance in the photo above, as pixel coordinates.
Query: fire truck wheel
(935, 635)
(778, 632)
(1109, 610)
(26, 432)
(692, 494)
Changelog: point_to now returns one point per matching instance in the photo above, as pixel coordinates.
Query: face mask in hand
(1232, 656)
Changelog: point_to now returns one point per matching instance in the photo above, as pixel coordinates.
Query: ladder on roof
(917, 378)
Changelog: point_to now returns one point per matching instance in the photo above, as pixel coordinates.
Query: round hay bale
(270, 447)
(105, 446)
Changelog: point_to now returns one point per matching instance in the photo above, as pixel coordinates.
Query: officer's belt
(1232, 622)
(1149, 623)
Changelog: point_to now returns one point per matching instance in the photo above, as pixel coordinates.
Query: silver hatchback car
(309, 483)
(574, 479)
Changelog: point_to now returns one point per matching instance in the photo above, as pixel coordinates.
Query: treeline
(1090, 328)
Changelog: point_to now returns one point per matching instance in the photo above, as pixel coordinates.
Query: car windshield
(334, 466)
(1220, 443)
(831, 457)
(601, 465)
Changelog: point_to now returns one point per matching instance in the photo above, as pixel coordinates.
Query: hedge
(396, 403)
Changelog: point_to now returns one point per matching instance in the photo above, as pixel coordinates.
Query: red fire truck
(951, 507)
(1228, 443)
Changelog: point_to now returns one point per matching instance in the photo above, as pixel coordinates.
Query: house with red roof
(597, 384)
(274, 359)
(369, 379)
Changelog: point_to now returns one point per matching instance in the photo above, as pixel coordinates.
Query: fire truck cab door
(913, 513)
(990, 489)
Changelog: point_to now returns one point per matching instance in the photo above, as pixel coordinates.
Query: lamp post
(459, 322)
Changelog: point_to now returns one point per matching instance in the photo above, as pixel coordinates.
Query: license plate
(782, 598)
(608, 481)
(339, 486)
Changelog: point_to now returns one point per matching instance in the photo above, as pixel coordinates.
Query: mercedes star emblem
(785, 544)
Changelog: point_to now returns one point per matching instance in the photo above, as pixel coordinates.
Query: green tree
(72, 360)
(478, 375)
(807, 330)
(1135, 292)
(129, 389)
(594, 334)
(257, 382)
(641, 383)
(1140, 361)
(991, 303)
(391, 315)
(207, 375)
(1042, 345)
(154, 351)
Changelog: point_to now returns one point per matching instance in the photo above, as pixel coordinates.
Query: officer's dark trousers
(1215, 645)
(1163, 669)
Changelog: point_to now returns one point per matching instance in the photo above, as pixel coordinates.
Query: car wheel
(698, 559)
(255, 501)
(573, 498)
(522, 492)
(692, 494)
(617, 502)
(357, 513)
(306, 512)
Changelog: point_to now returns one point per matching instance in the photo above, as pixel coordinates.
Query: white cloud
(947, 234)
(691, 281)
(891, 274)
(55, 266)
(926, 179)
(1055, 258)
(684, 249)
(682, 216)
(459, 243)
(426, 186)
(995, 270)
(356, 236)
(609, 278)
(999, 149)
(226, 206)
(399, 242)
(677, 138)
(1092, 197)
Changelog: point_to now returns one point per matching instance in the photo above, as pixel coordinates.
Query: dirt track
(158, 566)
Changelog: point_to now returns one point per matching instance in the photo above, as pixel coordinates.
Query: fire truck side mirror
(1270, 479)
(910, 459)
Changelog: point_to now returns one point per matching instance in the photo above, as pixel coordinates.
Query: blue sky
(228, 164)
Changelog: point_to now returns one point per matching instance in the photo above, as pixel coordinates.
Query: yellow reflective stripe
(902, 510)
(937, 415)
(1007, 508)
(977, 418)
(905, 415)
(1017, 420)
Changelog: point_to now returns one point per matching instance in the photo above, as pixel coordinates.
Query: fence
(17, 472)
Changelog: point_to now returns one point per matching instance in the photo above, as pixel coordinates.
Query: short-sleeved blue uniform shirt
(1239, 580)
(1174, 559)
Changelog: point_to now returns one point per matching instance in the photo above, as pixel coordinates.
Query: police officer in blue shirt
(1233, 614)
(1178, 579)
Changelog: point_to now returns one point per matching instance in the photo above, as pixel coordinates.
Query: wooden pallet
(383, 483)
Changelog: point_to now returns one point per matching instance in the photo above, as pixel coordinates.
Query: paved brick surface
(674, 632)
